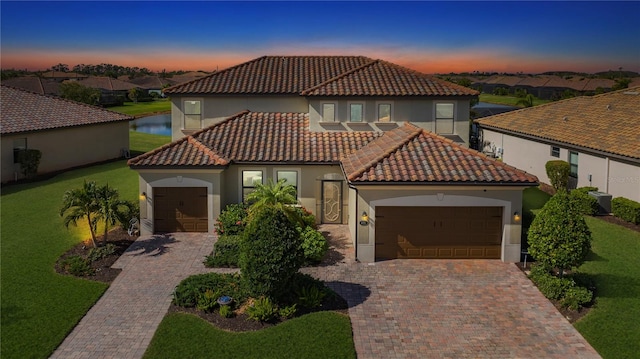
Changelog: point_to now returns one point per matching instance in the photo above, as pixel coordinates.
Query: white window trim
(241, 185)
(298, 177)
(335, 111)
(184, 115)
(435, 118)
(551, 151)
(364, 108)
(391, 114)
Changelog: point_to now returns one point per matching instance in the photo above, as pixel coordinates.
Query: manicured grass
(507, 100)
(316, 335)
(612, 327)
(534, 199)
(144, 142)
(142, 108)
(38, 306)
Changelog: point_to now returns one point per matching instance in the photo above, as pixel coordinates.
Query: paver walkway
(121, 324)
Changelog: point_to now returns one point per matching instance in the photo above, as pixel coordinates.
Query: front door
(331, 201)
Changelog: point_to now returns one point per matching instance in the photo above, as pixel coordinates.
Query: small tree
(559, 236)
(526, 101)
(81, 203)
(110, 208)
(270, 254)
(558, 173)
(74, 91)
(279, 195)
(134, 93)
(29, 161)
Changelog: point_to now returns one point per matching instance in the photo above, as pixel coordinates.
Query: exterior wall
(69, 147)
(419, 111)
(217, 108)
(510, 198)
(610, 175)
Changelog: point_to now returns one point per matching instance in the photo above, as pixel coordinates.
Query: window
(290, 176)
(192, 115)
(384, 112)
(444, 118)
(573, 163)
(555, 151)
(19, 144)
(328, 112)
(356, 112)
(249, 180)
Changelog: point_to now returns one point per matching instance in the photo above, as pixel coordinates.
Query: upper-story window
(555, 151)
(328, 112)
(192, 115)
(19, 145)
(356, 112)
(445, 118)
(384, 112)
(290, 177)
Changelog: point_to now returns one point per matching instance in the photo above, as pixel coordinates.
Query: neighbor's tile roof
(319, 75)
(410, 154)
(106, 83)
(24, 111)
(609, 122)
(256, 137)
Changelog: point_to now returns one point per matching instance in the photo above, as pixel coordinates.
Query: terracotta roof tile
(24, 111)
(608, 122)
(106, 83)
(409, 154)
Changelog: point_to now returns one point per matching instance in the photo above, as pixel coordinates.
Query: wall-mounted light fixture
(143, 196)
(364, 219)
(516, 216)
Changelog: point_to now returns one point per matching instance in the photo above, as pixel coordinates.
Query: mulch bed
(620, 222)
(103, 271)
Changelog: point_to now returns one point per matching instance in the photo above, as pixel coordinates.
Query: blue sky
(429, 36)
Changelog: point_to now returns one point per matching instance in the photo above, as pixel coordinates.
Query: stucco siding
(69, 147)
(624, 180)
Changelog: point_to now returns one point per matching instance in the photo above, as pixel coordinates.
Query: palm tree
(110, 208)
(80, 203)
(278, 195)
(527, 101)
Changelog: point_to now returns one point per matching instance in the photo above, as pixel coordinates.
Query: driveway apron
(122, 323)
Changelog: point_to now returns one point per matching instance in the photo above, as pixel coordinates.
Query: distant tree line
(108, 70)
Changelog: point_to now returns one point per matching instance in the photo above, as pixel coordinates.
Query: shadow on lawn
(153, 246)
(353, 293)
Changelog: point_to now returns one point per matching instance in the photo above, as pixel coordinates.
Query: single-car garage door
(438, 232)
(180, 209)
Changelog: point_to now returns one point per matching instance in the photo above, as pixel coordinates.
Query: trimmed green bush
(207, 301)
(570, 294)
(559, 236)
(232, 220)
(626, 209)
(314, 245)
(78, 266)
(226, 311)
(585, 203)
(311, 296)
(306, 217)
(263, 310)
(187, 292)
(576, 297)
(551, 286)
(101, 252)
(270, 254)
(226, 252)
(558, 172)
(288, 311)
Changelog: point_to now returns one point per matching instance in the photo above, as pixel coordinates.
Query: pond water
(156, 125)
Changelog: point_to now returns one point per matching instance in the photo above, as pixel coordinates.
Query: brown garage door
(178, 209)
(438, 232)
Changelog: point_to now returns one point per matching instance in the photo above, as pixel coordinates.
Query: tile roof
(149, 82)
(319, 75)
(106, 83)
(410, 154)
(23, 111)
(608, 122)
(406, 154)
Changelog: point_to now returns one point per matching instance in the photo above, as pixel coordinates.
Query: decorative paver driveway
(121, 324)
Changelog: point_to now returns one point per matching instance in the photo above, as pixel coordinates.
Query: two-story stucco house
(366, 143)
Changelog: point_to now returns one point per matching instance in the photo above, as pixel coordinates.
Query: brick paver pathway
(121, 324)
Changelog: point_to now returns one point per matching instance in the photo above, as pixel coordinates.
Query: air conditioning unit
(604, 201)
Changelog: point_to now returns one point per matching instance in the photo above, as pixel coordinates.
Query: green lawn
(507, 100)
(143, 108)
(38, 306)
(316, 335)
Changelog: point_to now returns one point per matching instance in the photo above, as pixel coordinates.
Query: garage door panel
(178, 209)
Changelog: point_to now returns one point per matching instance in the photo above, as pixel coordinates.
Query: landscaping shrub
(311, 296)
(558, 172)
(78, 266)
(207, 301)
(306, 217)
(232, 220)
(226, 311)
(288, 311)
(263, 310)
(576, 297)
(585, 203)
(270, 254)
(225, 252)
(314, 245)
(101, 252)
(551, 286)
(187, 292)
(626, 209)
(559, 236)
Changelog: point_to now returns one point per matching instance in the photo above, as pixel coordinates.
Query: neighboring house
(599, 136)
(69, 134)
(152, 84)
(340, 93)
(112, 91)
(35, 84)
(544, 86)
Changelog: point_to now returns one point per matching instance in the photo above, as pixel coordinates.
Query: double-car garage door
(180, 209)
(438, 232)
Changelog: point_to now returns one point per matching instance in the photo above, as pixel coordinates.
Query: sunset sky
(432, 37)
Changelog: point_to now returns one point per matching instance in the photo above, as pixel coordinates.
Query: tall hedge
(558, 172)
(559, 236)
(271, 254)
(626, 209)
